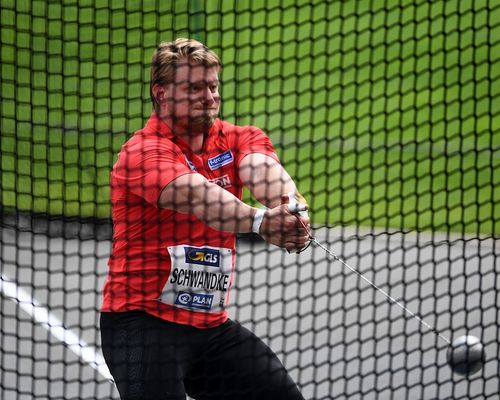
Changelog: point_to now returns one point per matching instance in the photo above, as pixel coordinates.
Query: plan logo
(202, 256)
(195, 300)
(220, 160)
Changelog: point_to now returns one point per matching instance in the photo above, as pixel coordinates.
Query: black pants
(154, 359)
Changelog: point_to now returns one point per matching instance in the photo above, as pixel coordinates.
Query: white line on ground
(43, 317)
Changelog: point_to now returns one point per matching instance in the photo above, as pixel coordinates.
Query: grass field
(386, 113)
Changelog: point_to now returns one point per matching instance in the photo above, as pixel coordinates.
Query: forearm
(216, 207)
(279, 183)
(220, 210)
(266, 179)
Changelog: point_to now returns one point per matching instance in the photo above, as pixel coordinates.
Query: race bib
(199, 278)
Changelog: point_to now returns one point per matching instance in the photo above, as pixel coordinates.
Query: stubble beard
(192, 124)
(202, 123)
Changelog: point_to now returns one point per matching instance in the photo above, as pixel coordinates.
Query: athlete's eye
(195, 89)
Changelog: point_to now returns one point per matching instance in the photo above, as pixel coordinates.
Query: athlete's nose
(210, 97)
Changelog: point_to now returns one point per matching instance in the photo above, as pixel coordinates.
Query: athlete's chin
(200, 124)
(204, 120)
(210, 113)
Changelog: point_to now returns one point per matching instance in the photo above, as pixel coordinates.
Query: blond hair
(168, 54)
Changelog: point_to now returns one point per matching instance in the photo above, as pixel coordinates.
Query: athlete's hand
(284, 229)
(298, 206)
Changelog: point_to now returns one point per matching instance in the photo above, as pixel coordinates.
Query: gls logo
(202, 256)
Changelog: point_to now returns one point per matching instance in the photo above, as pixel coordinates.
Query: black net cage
(386, 116)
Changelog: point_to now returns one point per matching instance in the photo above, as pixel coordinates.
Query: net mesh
(385, 113)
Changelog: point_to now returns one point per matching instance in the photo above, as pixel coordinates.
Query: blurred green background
(385, 112)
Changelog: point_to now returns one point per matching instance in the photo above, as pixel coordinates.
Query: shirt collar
(156, 125)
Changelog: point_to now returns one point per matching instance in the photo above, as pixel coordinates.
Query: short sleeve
(144, 168)
(253, 140)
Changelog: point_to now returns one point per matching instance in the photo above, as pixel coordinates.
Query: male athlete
(176, 205)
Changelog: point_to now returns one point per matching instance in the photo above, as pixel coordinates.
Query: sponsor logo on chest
(220, 160)
(195, 300)
(223, 181)
(202, 256)
(190, 164)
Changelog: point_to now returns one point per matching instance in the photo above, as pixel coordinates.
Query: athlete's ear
(159, 93)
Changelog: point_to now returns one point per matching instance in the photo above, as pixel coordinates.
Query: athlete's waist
(170, 314)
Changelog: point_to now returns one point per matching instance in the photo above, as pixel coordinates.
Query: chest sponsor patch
(220, 160)
(190, 164)
(196, 301)
(202, 256)
(223, 181)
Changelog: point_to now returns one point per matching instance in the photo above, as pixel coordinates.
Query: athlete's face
(193, 98)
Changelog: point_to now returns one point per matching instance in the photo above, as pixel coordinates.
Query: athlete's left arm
(266, 179)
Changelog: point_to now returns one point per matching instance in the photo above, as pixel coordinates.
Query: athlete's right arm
(221, 210)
